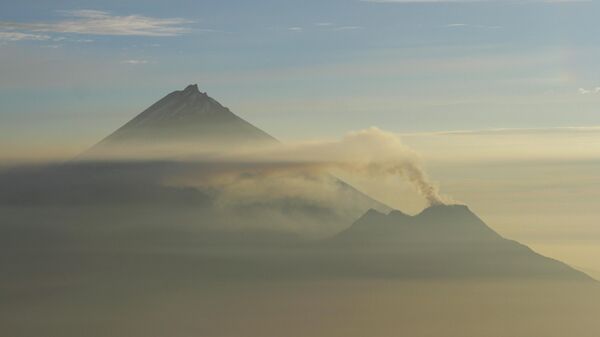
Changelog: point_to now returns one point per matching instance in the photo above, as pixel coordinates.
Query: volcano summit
(183, 118)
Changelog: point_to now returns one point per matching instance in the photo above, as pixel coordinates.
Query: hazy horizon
(494, 157)
(302, 168)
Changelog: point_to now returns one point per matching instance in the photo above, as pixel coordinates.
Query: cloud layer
(371, 153)
(19, 36)
(471, 1)
(94, 22)
(585, 91)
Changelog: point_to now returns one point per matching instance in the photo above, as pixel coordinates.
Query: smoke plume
(370, 152)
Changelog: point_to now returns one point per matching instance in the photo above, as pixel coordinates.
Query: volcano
(441, 241)
(183, 118)
(169, 137)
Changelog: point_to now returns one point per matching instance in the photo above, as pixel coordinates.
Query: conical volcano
(185, 117)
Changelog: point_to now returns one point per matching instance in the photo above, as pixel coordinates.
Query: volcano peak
(191, 88)
(186, 116)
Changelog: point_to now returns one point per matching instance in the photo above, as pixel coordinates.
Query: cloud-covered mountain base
(101, 271)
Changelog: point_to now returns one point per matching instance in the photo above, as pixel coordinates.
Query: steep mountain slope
(441, 241)
(183, 118)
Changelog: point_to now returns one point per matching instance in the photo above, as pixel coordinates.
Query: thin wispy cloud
(94, 22)
(343, 28)
(19, 36)
(135, 62)
(319, 27)
(468, 25)
(584, 91)
(336, 27)
(510, 131)
(471, 1)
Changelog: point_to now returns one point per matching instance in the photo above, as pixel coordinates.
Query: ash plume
(371, 152)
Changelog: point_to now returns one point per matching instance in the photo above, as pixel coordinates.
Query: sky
(299, 68)
(499, 97)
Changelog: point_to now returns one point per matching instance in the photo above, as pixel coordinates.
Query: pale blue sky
(73, 71)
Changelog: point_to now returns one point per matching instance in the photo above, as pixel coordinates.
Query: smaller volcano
(442, 241)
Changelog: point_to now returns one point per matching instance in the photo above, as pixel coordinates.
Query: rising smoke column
(421, 182)
(378, 153)
(371, 152)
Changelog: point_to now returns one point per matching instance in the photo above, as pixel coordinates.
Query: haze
(299, 168)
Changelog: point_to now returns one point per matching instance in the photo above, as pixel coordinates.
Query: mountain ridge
(444, 240)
